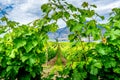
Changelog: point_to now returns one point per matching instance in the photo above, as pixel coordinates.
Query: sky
(25, 11)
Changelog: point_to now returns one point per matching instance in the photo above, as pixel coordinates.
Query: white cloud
(26, 11)
(106, 8)
(5, 2)
(61, 23)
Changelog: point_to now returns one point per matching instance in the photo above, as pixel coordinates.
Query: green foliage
(51, 50)
(22, 47)
(46, 8)
(6, 25)
(85, 4)
(21, 53)
(100, 61)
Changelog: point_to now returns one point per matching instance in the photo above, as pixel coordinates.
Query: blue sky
(25, 11)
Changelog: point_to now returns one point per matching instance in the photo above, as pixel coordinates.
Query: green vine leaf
(13, 53)
(28, 47)
(46, 8)
(85, 4)
(94, 6)
(94, 71)
(19, 42)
